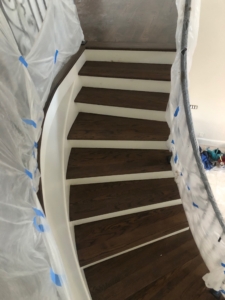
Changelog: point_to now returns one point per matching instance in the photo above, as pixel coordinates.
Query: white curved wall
(207, 77)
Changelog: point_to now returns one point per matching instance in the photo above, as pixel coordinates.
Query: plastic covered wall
(204, 217)
(29, 259)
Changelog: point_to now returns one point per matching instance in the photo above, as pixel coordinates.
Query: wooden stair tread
(121, 277)
(102, 127)
(89, 200)
(123, 98)
(92, 162)
(183, 283)
(98, 240)
(126, 70)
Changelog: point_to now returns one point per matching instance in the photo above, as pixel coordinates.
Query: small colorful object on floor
(212, 158)
(221, 160)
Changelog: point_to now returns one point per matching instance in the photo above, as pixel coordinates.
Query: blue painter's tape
(195, 205)
(177, 111)
(35, 145)
(223, 265)
(222, 291)
(176, 158)
(38, 212)
(30, 122)
(173, 142)
(23, 61)
(188, 187)
(55, 278)
(29, 174)
(39, 227)
(56, 55)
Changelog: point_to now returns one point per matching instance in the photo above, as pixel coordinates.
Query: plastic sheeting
(205, 220)
(30, 266)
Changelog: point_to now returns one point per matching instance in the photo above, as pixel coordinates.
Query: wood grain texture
(149, 268)
(143, 24)
(98, 240)
(185, 282)
(126, 70)
(123, 98)
(85, 162)
(89, 200)
(102, 127)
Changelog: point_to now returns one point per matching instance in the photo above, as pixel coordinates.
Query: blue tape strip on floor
(195, 205)
(23, 61)
(35, 145)
(55, 278)
(30, 122)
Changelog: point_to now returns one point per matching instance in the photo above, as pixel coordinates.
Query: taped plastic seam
(31, 267)
(204, 217)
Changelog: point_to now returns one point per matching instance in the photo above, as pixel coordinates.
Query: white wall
(207, 78)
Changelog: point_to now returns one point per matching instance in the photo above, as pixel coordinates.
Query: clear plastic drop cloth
(30, 265)
(205, 218)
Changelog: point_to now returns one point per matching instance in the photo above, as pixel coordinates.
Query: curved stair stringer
(54, 157)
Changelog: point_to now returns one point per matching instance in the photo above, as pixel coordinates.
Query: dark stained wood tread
(185, 282)
(91, 162)
(89, 200)
(102, 127)
(172, 265)
(126, 70)
(98, 240)
(162, 47)
(123, 98)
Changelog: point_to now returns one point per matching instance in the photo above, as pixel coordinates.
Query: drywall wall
(207, 77)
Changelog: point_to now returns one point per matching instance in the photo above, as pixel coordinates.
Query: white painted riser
(118, 144)
(122, 112)
(148, 57)
(126, 84)
(116, 178)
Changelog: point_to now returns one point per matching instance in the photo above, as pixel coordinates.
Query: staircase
(128, 224)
